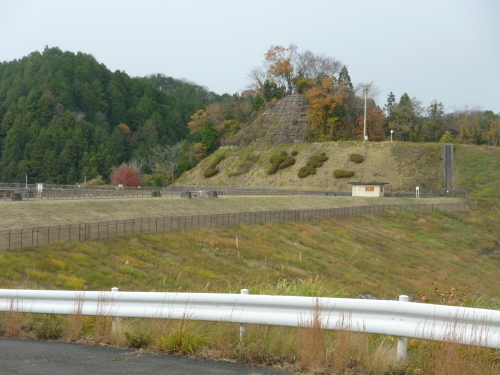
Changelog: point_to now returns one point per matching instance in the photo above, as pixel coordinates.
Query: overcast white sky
(447, 50)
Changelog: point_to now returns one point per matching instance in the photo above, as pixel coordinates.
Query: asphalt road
(31, 357)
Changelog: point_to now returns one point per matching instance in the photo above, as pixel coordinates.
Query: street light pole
(392, 131)
(365, 88)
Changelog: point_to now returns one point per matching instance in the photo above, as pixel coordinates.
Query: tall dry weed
(75, 319)
(347, 350)
(103, 321)
(311, 342)
(15, 319)
(450, 357)
(383, 355)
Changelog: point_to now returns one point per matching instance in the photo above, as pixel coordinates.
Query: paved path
(31, 357)
(448, 167)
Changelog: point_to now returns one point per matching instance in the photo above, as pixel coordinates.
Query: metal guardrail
(29, 237)
(470, 326)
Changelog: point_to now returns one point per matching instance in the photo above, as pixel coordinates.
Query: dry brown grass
(449, 357)
(383, 355)
(45, 213)
(103, 322)
(340, 352)
(309, 349)
(15, 319)
(311, 342)
(75, 319)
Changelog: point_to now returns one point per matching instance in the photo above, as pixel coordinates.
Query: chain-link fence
(22, 194)
(28, 237)
(30, 194)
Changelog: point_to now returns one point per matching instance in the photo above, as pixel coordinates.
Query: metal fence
(29, 237)
(59, 194)
(22, 194)
(30, 194)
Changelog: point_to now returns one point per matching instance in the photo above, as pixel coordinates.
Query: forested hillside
(65, 117)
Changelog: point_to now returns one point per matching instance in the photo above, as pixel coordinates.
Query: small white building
(368, 189)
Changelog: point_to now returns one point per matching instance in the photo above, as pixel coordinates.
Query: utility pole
(366, 88)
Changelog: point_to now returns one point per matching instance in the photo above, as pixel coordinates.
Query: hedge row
(280, 161)
(212, 169)
(340, 173)
(245, 166)
(312, 164)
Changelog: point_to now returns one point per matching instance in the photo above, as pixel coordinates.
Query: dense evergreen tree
(64, 116)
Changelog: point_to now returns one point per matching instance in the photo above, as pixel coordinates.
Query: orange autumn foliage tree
(324, 101)
(375, 119)
(198, 152)
(198, 120)
(280, 66)
(124, 128)
(215, 113)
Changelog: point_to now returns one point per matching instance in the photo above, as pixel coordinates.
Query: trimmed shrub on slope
(340, 173)
(312, 164)
(245, 166)
(212, 169)
(357, 158)
(280, 161)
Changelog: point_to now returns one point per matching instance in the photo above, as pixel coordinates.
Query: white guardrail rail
(470, 326)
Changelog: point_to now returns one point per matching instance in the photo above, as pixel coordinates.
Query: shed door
(357, 191)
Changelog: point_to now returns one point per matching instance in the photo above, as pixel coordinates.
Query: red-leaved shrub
(126, 176)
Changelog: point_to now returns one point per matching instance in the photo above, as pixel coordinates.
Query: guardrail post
(116, 320)
(402, 341)
(243, 326)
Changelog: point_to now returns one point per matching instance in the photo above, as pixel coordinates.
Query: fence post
(402, 341)
(243, 326)
(116, 320)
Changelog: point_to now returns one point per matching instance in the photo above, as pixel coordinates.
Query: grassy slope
(385, 255)
(403, 165)
(477, 169)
